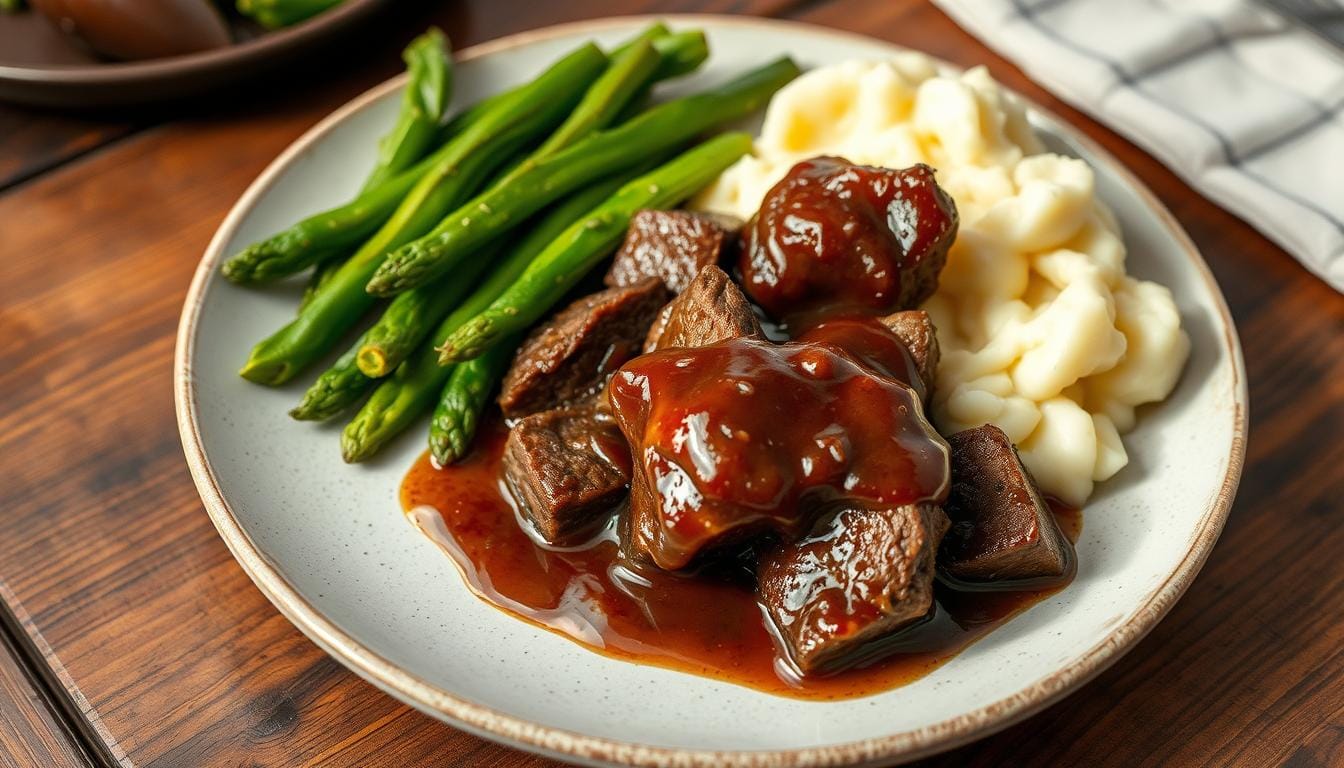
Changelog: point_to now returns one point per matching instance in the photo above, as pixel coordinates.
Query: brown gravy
(703, 626)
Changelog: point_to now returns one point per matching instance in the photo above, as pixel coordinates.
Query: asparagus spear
(344, 383)
(679, 53)
(303, 244)
(429, 66)
(464, 397)
(587, 241)
(322, 274)
(430, 69)
(307, 242)
(338, 387)
(473, 154)
(335, 390)
(274, 14)
(413, 314)
(629, 70)
(503, 205)
(411, 389)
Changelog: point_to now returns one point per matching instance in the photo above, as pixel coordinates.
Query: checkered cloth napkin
(1245, 105)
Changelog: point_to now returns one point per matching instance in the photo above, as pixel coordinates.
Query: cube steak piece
(569, 358)
(861, 574)
(915, 329)
(711, 309)
(672, 246)
(1002, 530)
(567, 468)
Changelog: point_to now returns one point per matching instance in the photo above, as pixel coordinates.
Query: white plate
(329, 546)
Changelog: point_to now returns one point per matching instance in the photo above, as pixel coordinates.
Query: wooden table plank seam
(33, 729)
(99, 742)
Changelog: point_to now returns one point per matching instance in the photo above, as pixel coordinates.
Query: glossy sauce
(745, 436)
(709, 625)
(847, 238)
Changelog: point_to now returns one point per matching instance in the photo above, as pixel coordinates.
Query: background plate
(40, 65)
(328, 544)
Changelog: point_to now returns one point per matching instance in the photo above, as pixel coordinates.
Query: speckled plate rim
(484, 721)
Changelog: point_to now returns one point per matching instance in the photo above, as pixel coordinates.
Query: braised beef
(1002, 530)
(744, 436)
(711, 309)
(915, 329)
(871, 343)
(567, 469)
(842, 238)
(672, 246)
(569, 359)
(860, 574)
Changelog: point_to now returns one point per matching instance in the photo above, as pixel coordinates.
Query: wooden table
(130, 636)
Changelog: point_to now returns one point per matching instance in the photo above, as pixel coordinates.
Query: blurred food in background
(149, 29)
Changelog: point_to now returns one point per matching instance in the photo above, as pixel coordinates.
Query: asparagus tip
(383, 281)
(440, 452)
(468, 341)
(352, 447)
(447, 446)
(247, 266)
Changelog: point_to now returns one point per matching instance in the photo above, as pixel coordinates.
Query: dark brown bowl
(40, 65)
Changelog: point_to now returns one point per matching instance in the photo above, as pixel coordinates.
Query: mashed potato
(1042, 332)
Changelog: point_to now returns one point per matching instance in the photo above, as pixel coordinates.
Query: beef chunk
(837, 237)
(860, 574)
(914, 328)
(672, 246)
(711, 309)
(567, 468)
(1002, 529)
(570, 358)
(875, 345)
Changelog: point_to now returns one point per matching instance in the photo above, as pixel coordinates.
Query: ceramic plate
(328, 543)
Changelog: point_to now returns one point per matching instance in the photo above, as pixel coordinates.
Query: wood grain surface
(32, 730)
(33, 142)
(113, 572)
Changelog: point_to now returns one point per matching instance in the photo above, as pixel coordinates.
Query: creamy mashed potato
(1042, 332)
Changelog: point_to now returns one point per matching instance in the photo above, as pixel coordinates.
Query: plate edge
(478, 719)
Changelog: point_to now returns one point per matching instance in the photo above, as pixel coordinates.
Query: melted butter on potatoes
(1042, 331)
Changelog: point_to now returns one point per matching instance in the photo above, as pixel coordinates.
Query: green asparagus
(274, 14)
(629, 71)
(502, 206)
(411, 316)
(679, 53)
(587, 241)
(307, 242)
(473, 154)
(429, 83)
(323, 271)
(335, 390)
(414, 313)
(412, 388)
(464, 397)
